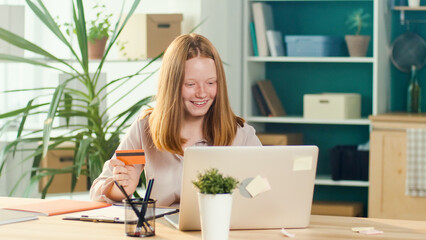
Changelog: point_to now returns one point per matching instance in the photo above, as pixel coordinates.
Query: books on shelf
(262, 15)
(275, 43)
(260, 100)
(267, 99)
(253, 39)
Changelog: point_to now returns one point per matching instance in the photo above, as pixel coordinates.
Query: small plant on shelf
(357, 44)
(100, 27)
(358, 20)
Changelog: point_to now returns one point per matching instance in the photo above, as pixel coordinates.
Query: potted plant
(99, 30)
(215, 203)
(357, 44)
(96, 140)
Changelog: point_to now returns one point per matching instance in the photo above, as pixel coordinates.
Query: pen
(128, 198)
(142, 219)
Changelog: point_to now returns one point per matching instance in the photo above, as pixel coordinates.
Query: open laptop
(289, 170)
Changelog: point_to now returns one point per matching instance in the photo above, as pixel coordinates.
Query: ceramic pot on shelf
(413, 3)
(357, 45)
(96, 49)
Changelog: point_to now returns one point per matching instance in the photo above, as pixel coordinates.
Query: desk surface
(321, 227)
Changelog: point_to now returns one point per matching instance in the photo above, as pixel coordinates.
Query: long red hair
(220, 123)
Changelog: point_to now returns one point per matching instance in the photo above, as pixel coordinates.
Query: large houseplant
(215, 203)
(357, 44)
(94, 141)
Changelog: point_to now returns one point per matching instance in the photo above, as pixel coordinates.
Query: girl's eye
(189, 84)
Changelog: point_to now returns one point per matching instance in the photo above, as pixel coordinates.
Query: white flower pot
(215, 215)
(413, 3)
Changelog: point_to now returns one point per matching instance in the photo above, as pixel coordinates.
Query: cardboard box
(147, 35)
(350, 209)
(61, 182)
(332, 106)
(280, 138)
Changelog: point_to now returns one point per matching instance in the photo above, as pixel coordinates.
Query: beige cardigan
(165, 166)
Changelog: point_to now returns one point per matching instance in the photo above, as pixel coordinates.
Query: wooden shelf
(301, 120)
(402, 10)
(327, 181)
(313, 59)
(407, 8)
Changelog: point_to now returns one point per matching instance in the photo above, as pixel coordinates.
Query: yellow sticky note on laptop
(258, 185)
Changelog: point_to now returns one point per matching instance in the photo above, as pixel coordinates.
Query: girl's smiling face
(199, 86)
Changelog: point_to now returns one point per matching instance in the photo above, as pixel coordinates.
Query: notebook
(289, 171)
(59, 206)
(12, 216)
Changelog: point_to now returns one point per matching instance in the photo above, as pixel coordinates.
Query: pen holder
(143, 225)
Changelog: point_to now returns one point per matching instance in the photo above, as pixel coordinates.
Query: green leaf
(46, 187)
(12, 58)
(43, 14)
(80, 27)
(213, 182)
(20, 42)
(79, 159)
(67, 106)
(51, 115)
(131, 111)
(21, 125)
(37, 159)
(21, 110)
(95, 165)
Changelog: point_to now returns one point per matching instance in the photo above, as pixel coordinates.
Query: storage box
(61, 182)
(349, 163)
(280, 138)
(349, 209)
(332, 106)
(315, 46)
(147, 35)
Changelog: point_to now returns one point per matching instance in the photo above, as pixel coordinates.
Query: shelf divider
(327, 181)
(301, 120)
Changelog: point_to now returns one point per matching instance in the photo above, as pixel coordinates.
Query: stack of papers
(113, 214)
(12, 216)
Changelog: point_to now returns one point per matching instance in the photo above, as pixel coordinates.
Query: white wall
(222, 27)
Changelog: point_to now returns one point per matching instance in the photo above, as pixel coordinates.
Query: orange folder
(131, 157)
(60, 206)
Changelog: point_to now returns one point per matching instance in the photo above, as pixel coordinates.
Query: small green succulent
(213, 182)
(358, 20)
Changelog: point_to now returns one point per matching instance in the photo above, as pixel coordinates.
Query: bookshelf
(293, 77)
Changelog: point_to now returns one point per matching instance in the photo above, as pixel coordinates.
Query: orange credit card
(131, 157)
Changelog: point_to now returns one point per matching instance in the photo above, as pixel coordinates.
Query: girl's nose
(200, 93)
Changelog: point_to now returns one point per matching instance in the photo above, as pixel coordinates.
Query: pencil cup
(143, 226)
